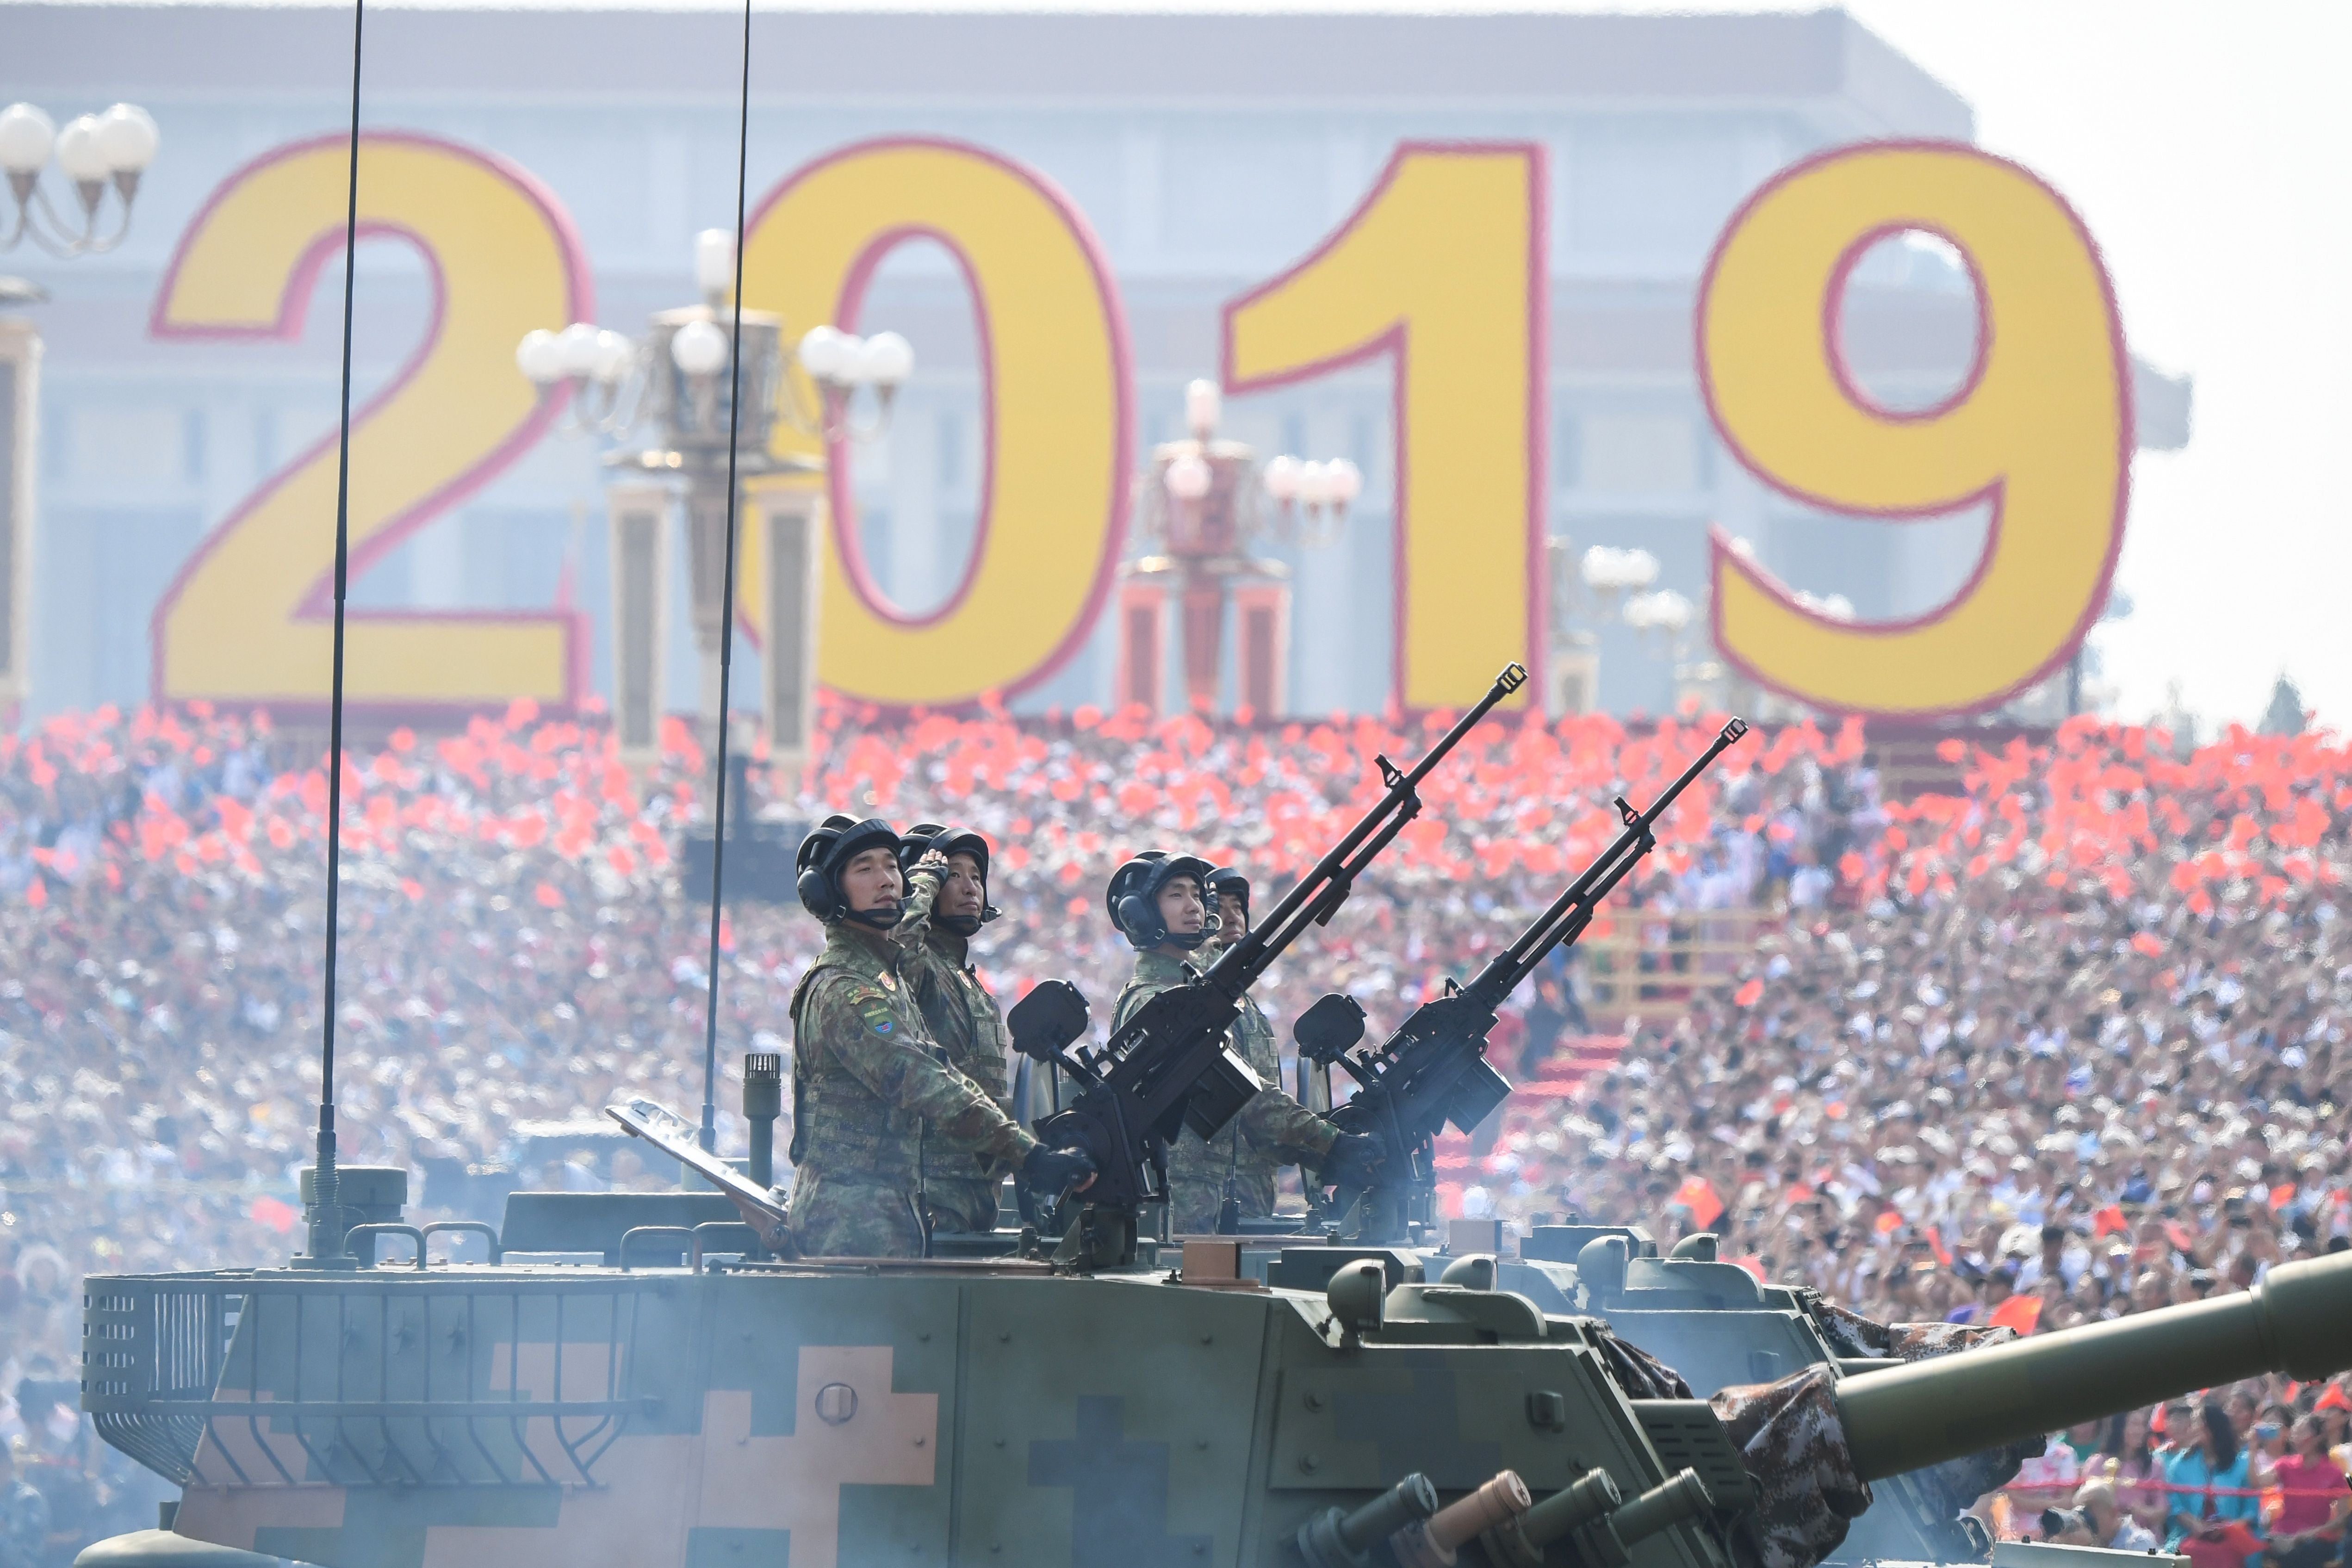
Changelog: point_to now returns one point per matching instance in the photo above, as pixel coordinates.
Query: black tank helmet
(951, 839)
(831, 845)
(1226, 879)
(1133, 899)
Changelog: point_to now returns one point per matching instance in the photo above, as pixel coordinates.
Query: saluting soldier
(947, 903)
(1156, 900)
(867, 1085)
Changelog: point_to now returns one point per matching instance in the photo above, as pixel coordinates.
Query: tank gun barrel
(2298, 1321)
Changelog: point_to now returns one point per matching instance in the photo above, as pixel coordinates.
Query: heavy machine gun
(1435, 1070)
(1168, 1066)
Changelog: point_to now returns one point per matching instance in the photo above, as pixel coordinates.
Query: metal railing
(239, 1380)
(1648, 966)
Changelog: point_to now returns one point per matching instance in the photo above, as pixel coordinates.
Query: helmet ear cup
(1140, 921)
(821, 853)
(816, 892)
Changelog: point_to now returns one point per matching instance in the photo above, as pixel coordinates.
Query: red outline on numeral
(1394, 342)
(293, 308)
(1833, 326)
(1719, 551)
(851, 298)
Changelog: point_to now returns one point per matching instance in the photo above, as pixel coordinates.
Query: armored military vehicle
(664, 1407)
(1712, 1322)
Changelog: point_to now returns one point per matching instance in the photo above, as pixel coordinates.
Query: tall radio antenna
(327, 1245)
(707, 1137)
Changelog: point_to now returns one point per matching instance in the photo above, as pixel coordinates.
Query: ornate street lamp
(1200, 501)
(676, 379)
(95, 151)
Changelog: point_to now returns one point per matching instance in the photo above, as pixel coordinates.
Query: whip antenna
(708, 1136)
(325, 1215)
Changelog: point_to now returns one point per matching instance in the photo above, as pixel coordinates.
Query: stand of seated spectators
(2064, 1042)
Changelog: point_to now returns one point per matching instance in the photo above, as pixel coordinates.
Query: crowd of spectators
(2063, 1040)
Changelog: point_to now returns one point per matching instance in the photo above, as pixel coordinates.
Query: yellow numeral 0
(1055, 377)
(2043, 429)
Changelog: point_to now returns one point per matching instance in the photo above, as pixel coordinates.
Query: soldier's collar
(1151, 965)
(860, 947)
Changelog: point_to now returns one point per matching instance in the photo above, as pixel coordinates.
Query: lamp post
(676, 379)
(1620, 586)
(1588, 591)
(1200, 501)
(96, 152)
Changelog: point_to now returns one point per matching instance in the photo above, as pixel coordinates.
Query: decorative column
(638, 515)
(791, 521)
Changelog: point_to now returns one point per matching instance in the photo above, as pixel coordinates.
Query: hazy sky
(2207, 145)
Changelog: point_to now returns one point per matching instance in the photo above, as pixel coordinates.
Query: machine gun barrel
(1319, 893)
(1430, 1050)
(1572, 912)
(2298, 1321)
(1433, 1069)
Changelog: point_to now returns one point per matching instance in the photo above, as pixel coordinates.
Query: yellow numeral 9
(2042, 430)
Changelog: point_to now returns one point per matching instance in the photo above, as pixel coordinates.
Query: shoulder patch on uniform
(876, 1014)
(889, 982)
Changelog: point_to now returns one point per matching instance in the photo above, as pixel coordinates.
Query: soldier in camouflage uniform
(947, 902)
(1253, 1171)
(1156, 902)
(867, 1085)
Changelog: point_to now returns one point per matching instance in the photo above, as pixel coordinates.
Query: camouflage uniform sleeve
(922, 891)
(1131, 996)
(857, 1024)
(1272, 1120)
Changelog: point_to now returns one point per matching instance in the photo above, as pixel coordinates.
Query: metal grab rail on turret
(381, 1377)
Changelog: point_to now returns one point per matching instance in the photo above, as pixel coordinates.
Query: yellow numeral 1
(1442, 269)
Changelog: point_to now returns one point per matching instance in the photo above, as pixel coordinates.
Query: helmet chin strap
(962, 924)
(1188, 940)
(882, 917)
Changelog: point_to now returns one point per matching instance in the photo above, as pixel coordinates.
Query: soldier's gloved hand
(1353, 1160)
(1056, 1171)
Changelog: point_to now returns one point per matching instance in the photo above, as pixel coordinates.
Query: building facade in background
(1208, 153)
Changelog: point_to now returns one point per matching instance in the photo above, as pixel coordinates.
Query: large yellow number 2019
(1443, 267)
(246, 618)
(2041, 429)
